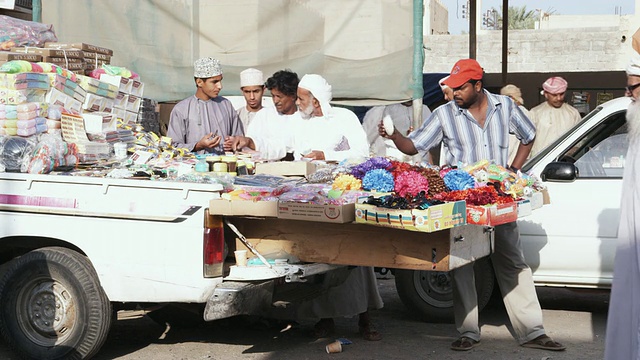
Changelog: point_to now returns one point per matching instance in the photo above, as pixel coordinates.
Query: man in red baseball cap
(463, 71)
(474, 127)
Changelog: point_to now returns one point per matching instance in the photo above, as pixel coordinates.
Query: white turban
(441, 83)
(320, 89)
(634, 65)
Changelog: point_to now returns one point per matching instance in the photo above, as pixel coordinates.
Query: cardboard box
(133, 104)
(49, 52)
(99, 122)
(439, 217)
(311, 212)
(434, 218)
(524, 208)
(537, 200)
(8, 56)
(286, 168)
(492, 215)
(137, 88)
(546, 200)
(243, 208)
(121, 100)
(79, 46)
(124, 84)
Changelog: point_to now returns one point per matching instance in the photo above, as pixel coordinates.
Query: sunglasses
(630, 88)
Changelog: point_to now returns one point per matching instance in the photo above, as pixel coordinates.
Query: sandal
(464, 344)
(544, 342)
(324, 328)
(369, 332)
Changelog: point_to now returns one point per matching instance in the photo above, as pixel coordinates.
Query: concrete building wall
(553, 50)
(436, 18)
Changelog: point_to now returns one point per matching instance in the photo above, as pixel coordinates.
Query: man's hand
(207, 142)
(314, 155)
(383, 133)
(235, 143)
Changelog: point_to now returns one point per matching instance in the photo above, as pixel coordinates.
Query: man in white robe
(326, 132)
(553, 117)
(402, 116)
(270, 132)
(514, 93)
(329, 133)
(623, 322)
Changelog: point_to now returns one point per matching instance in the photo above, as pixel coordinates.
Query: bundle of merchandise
(72, 60)
(92, 55)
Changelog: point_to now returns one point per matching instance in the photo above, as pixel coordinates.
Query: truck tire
(429, 294)
(52, 306)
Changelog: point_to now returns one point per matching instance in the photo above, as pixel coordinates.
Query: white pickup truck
(76, 249)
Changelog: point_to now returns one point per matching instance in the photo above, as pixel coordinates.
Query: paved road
(575, 318)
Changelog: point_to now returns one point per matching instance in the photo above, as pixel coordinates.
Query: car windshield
(534, 160)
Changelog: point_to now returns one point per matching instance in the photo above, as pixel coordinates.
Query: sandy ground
(576, 319)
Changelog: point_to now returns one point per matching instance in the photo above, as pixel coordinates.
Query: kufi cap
(251, 77)
(512, 91)
(463, 71)
(634, 65)
(206, 67)
(555, 85)
(320, 89)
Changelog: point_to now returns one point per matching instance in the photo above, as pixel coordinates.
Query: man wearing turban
(623, 322)
(201, 122)
(326, 132)
(553, 117)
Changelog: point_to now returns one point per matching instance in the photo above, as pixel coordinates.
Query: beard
(307, 112)
(633, 121)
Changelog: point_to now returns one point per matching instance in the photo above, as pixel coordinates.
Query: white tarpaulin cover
(362, 47)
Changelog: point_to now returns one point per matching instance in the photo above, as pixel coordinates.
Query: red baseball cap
(463, 71)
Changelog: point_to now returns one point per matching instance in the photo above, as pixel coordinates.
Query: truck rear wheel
(52, 306)
(429, 294)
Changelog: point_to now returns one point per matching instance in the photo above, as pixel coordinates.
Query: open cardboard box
(434, 218)
(492, 215)
(286, 168)
(311, 212)
(243, 208)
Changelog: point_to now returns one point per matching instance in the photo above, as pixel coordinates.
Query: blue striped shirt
(464, 140)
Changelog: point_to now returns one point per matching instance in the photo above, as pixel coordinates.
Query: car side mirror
(560, 172)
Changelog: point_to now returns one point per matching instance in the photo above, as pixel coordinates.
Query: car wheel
(52, 306)
(429, 294)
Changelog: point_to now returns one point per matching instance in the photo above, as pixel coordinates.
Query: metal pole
(418, 62)
(505, 40)
(472, 29)
(36, 10)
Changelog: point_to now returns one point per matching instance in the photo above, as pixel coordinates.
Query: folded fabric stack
(8, 118)
(29, 120)
(53, 118)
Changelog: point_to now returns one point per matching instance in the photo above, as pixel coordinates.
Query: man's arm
(521, 155)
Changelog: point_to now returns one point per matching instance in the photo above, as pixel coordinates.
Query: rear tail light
(213, 245)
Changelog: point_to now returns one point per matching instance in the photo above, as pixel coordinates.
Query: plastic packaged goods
(16, 32)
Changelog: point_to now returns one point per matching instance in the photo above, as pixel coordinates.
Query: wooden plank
(363, 245)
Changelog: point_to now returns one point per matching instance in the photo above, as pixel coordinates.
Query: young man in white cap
(326, 132)
(475, 126)
(252, 86)
(553, 117)
(201, 122)
(623, 321)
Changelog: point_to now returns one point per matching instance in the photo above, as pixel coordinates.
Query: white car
(570, 242)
